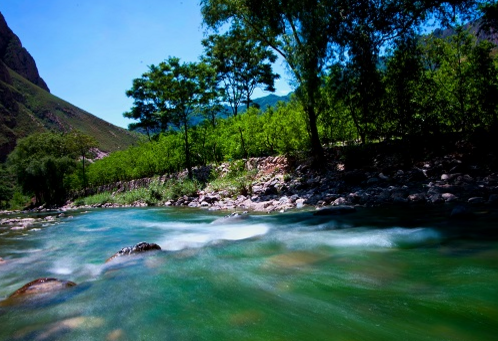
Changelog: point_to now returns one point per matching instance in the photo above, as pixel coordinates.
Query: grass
(157, 193)
(237, 181)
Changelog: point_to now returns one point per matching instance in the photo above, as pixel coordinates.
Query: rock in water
(138, 248)
(335, 210)
(462, 212)
(42, 285)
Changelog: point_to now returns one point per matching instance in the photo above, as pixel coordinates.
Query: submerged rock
(42, 285)
(335, 210)
(138, 248)
(462, 212)
(232, 217)
(18, 223)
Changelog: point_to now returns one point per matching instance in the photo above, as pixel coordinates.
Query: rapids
(372, 275)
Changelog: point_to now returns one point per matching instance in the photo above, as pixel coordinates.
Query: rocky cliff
(16, 57)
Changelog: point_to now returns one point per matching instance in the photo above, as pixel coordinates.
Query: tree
(82, 145)
(403, 81)
(310, 34)
(175, 92)
(298, 31)
(6, 185)
(41, 162)
(466, 78)
(147, 107)
(242, 64)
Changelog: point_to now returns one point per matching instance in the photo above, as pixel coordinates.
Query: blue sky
(89, 51)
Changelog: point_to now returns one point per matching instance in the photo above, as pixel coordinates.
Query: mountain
(27, 106)
(262, 103)
(474, 28)
(271, 100)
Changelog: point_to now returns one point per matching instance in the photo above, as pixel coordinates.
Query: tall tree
(308, 34)
(83, 145)
(403, 81)
(147, 107)
(242, 64)
(178, 92)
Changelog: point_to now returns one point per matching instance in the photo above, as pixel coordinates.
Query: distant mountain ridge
(474, 28)
(263, 103)
(27, 107)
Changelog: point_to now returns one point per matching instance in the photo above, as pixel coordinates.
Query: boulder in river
(462, 212)
(138, 248)
(42, 285)
(232, 217)
(335, 210)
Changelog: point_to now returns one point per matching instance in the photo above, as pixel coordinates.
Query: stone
(115, 335)
(284, 200)
(42, 285)
(261, 206)
(417, 197)
(340, 201)
(335, 210)
(462, 212)
(383, 177)
(232, 217)
(300, 203)
(372, 181)
(449, 197)
(436, 198)
(493, 199)
(476, 200)
(138, 248)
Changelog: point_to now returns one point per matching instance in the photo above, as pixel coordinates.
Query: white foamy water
(365, 238)
(203, 234)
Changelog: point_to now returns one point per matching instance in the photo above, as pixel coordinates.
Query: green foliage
(464, 82)
(237, 181)
(418, 90)
(7, 183)
(18, 201)
(311, 35)
(44, 164)
(242, 63)
(156, 193)
(404, 81)
(172, 93)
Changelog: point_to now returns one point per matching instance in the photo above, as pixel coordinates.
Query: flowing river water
(372, 275)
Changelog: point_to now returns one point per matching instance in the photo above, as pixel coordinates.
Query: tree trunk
(187, 153)
(316, 146)
(84, 175)
(243, 143)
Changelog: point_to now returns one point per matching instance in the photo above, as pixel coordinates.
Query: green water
(373, 275)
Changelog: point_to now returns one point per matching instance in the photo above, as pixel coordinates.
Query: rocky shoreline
(278, 187)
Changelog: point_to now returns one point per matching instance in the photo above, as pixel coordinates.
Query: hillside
(27, 106)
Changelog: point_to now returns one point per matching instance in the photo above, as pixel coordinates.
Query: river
(386, 274)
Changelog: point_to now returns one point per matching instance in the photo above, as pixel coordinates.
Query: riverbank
(364, 177)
